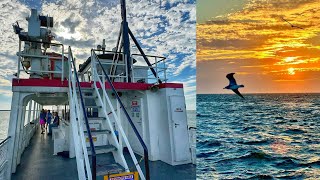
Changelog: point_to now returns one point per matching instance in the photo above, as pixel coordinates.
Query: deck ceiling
(51, 98)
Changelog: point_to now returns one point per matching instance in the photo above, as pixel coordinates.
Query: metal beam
(125, 40)
(144, 56)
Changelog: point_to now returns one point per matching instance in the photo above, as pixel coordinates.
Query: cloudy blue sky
(163, 27)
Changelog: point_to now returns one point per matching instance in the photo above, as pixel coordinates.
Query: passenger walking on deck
(49, 117)
(55, 123)
(42, 120)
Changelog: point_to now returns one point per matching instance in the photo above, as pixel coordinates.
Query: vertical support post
(21, 134)
(12, 129)
(120, 124)
(125, 40)
(62, 66)
(27, 135)
(156, 63)
(29, 111)
(17, 132)
(93, 65)
(34, 111)
(165, 71)
(19, 59)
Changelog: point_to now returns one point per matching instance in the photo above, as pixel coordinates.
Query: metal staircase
(98, 150)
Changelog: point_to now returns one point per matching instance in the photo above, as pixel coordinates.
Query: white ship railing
(106, 102)
(140, 72)
(4, 158)
(158, 64)
(44, 57)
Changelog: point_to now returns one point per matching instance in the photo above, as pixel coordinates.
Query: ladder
(98, 150)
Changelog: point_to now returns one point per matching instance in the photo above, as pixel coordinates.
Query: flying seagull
(293, 26)
(233, 84)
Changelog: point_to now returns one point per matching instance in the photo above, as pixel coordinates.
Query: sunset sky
(250, 38)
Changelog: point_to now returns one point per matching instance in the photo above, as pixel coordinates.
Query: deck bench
(59, 140)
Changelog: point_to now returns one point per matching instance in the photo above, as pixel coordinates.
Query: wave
(206, 154)
(208, 143)
(257, 142)
(288, 163)
(262, 176)
(294, 131)
(250, 156)
(203, 115)
(294, 176)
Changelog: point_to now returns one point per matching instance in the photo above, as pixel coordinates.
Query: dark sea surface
(264, 136)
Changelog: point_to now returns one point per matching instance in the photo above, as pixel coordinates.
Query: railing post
(62, 62)
(34, 111)
(127, 76)
(19, 59)
(119, 134)
(156, 63)
(29, 112)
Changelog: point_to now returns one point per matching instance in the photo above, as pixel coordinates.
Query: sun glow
(289, 59)
(291, 71)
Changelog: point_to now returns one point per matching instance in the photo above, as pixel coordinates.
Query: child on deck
(42, 120)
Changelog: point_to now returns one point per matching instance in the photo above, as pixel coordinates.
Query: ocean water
(4, 122)
(264, 136)
(5, 115)
(191, 115)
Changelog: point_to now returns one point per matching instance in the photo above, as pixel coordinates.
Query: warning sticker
(93, 138)
(134, 103)
(123, 176)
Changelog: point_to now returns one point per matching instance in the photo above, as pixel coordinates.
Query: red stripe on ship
(117, 85)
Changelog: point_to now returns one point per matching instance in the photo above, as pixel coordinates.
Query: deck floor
(38, 163)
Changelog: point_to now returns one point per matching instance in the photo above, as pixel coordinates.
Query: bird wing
(297, 27)
(237, 92)
(294, 26)
(232, 81)
(286, 21)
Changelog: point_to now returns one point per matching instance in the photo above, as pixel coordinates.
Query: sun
(291, 71)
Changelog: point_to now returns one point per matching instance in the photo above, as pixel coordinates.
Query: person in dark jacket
(55, 123)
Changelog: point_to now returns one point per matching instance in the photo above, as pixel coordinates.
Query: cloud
(166, 30)
(258, 41)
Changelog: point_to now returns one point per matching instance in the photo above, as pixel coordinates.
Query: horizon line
(267, 93)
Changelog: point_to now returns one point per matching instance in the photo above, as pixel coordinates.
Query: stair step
(96, 118)
(89, 97)
(102, 149)
(105, 131)
(106, 169)
(86, 89)
(93, 106)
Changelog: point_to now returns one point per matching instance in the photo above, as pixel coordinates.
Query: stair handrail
(145, 149)
(78, 129)
(92, 148)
